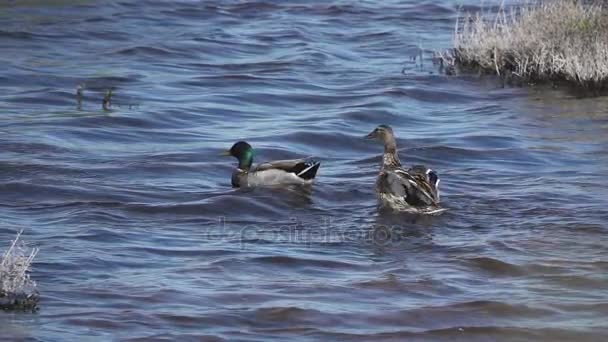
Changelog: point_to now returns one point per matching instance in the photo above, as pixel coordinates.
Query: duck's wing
(415, 187)
(392, 183)
(303, 168)
(427, 178)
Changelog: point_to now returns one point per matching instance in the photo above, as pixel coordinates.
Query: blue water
(141, 236)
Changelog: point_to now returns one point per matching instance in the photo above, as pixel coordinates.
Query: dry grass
(559, 40)
(17, 290)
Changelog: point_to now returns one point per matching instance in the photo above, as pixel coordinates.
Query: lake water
(141, 236)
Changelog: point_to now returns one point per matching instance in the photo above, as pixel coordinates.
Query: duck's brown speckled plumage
(413, 189)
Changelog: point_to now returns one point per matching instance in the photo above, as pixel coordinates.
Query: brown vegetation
(559, 40)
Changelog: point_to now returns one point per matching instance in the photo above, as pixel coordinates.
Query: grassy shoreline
(560, 41)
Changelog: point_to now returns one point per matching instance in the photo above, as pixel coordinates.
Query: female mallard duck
(297, 171)
(416, 189)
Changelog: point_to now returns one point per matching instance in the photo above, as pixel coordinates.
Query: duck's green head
(381, 133)
(243, 152)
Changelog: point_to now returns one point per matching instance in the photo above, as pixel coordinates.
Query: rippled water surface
(141, 236)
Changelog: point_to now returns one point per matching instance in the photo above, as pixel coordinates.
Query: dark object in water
(19, 302)
(79, 90)
(107, 100)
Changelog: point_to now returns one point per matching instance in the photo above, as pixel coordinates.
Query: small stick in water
(79, 90)
(107, 100)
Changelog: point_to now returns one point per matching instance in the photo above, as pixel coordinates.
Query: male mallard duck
(297, 171)
(415, 189)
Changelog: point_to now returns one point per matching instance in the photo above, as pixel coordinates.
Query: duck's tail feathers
(433, 178)
(307, 170)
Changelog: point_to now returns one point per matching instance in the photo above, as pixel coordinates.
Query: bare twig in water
(79, 95)
(420, 53)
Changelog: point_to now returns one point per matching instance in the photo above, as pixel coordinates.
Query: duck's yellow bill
(225, 153)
